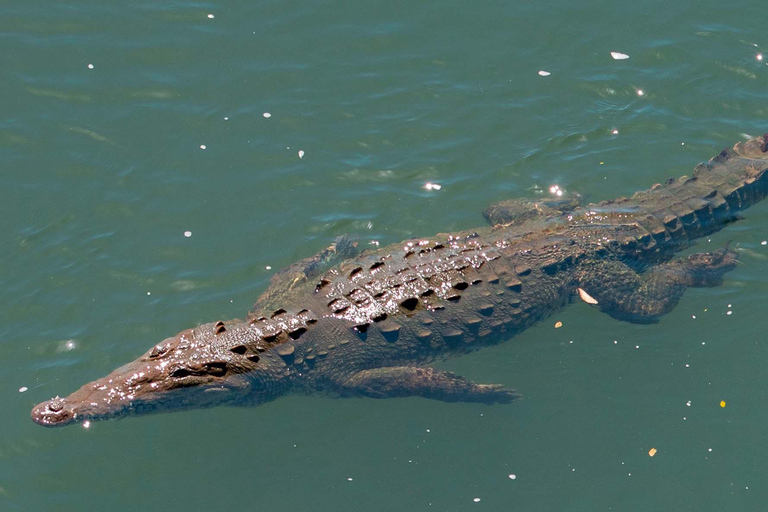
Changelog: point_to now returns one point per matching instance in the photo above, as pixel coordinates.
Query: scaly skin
(368, 325)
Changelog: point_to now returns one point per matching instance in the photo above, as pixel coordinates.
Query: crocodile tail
(693, 206)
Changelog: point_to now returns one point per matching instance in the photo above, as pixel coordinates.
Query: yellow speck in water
(652, 452)
(558, 324)
(722, 403)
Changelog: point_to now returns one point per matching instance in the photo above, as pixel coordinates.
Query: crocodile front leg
(636, 297)
(286, 281)
(402, 381)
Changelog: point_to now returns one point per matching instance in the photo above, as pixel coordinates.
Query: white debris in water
(556, 190)
(432, 186)
(268, 267)
(349, 479)
(764, 242)
(202, 146)
(374, 242)
(86, 424)
(614, 132)
(544, 73)
(729, 312)
(619, 56)
(90, 66)
(267, 115)
(68, 345)
(187, 234)
(759, 56)
(23, 389)
(640, 92)
(512, 476)
(211, 16)
(476, 500)
(301, 153)
(583, 295)
(226, 119)
(688, 403)
(149, 293)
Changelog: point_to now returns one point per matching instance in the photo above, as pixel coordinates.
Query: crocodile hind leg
(402, 381)
(285, 281)
(636, 297)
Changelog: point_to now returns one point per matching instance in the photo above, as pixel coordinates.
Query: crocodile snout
(53, 413)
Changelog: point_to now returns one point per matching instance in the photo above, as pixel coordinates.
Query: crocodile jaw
(127, 391)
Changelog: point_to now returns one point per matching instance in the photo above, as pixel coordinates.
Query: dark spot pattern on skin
(390, 332)
(338, 305)
(486, 309)
(321, 284)
(522, 270)
(410, 303)
(219, 327)
(461, 285)
(296, 333)
(361, 327)
(239, 349)
(355, 271)
(380, 318)
(278, 312)
(253, 358)
(376, 265)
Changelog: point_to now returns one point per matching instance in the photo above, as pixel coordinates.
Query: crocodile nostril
(55, 405)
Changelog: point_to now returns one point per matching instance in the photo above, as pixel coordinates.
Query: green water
(103, 172)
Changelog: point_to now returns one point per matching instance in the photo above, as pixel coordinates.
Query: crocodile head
(197, 368)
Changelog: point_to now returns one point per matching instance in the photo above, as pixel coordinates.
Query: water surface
(126, 124)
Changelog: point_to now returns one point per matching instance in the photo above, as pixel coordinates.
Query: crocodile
(369, 323)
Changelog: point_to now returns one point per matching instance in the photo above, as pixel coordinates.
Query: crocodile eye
(158, 350)
(181, 372)
(217, 369)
